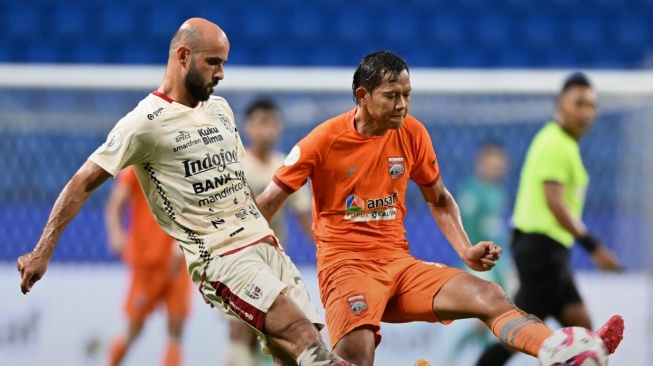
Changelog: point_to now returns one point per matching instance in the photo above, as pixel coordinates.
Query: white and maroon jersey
(187, 162)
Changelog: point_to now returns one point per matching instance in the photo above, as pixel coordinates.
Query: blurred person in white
(263, 127)
(547, 221)
(185, 148)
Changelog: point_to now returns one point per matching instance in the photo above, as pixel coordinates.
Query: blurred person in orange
(263, 127)
(158, 275)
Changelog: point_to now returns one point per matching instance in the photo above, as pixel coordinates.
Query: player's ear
(361, 92)
(183, 55)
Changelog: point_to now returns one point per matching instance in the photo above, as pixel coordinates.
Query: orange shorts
(359, 293)
(153, 285)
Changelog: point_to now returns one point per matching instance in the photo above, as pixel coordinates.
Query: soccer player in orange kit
(158, 274)
(359, 164)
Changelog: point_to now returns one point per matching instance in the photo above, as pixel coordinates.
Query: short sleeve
(426, 170)
(131, 141)
(300, 163)
(553, 163)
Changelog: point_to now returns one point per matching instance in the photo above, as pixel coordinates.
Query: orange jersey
(147, 244)
(359, 186)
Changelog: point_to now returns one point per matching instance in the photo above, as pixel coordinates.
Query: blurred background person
(483, 200)
(547, 217)
(263, 127)
(158, 272)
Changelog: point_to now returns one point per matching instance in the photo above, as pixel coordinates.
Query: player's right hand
(32, 267)
(482, 256)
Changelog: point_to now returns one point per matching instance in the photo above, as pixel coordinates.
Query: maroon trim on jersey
(162, 96)
(432, 183)
(274, 239)
(284, 187)
(245, 311)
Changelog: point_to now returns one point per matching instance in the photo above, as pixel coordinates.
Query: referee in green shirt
(547, 217)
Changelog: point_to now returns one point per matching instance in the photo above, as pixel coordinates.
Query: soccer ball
(573, 346)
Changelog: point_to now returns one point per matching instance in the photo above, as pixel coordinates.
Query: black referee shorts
(546, 282)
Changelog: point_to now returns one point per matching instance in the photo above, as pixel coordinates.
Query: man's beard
(195, 85)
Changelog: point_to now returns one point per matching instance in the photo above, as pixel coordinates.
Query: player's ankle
(316, 354)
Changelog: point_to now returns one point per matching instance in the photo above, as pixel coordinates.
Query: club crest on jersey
(254, 292)
(396, 167)
(357, 304)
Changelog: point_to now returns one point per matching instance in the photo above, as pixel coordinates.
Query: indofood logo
(216, 161)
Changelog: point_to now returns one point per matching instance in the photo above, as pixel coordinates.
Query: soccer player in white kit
(185, 148)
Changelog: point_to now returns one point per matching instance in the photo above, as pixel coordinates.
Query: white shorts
(244, 284)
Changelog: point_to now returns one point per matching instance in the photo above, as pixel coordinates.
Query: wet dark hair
(261, 104)
(575, 79)
(372, 69)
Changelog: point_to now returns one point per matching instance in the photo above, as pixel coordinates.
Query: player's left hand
(32, 267)
(605, 259)
(482, 256)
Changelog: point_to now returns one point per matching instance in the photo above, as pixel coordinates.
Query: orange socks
(119, 348)
(117, 351)
(173, 354)
(521, 331)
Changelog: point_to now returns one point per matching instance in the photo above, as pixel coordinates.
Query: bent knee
(493, 297)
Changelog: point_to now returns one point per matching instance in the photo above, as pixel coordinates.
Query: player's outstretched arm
(479, 257)
(270, 200)
(32, 266)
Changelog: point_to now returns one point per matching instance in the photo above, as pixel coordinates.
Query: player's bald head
(197, 34)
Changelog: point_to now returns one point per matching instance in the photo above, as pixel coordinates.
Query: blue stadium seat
(448, 29)
(402, 25)
(91, 51)
(561, 58)
(354, 28)
(261, 22)
(307, 24)
(23, 20)
(138, 52)
(633, 31)
(425, 56)
(118, 21)
(70, 21)
(514, 56)
(43, 51)
(469, 57)
(539, 31)
(586, 31)
(279, 54)
(492, 29)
